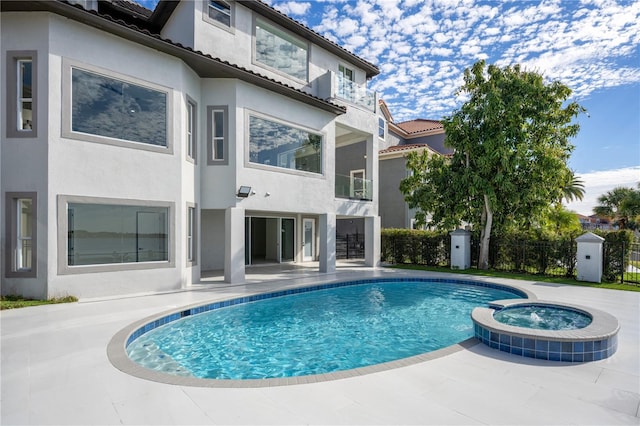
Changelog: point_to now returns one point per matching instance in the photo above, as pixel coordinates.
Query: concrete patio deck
(54, 370)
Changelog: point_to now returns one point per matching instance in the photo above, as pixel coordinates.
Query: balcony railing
(355, 93)
(353, 188)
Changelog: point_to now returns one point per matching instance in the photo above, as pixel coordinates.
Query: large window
(99, 234)
(21, 88)
(113, 108)
(110, 108)
(21, 234)
(279, 145)
(217, 138)
(280, 50)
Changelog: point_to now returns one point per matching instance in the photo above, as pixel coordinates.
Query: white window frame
(14, 241)
(213, 138)
(15, 99)
(191, 234)
(346, 82)
(206, 4)
(191, 130)
(22, 99)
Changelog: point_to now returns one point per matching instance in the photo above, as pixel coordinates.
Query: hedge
(512, 252)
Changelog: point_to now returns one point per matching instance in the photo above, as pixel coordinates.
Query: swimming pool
(314, 330)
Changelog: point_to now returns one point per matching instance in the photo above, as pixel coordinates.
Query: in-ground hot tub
(547, 330)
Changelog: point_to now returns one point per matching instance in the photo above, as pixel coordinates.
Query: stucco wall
(212, 237)
(80, 168)
(24, 160)
(392, 204)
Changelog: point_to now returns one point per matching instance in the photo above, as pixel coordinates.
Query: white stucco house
(141, 149)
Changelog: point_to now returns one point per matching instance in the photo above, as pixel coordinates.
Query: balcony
(335, 86)
(354, 93)
(353, 188)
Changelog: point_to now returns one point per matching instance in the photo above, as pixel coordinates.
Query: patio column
(327, 234)
(372, 241)
(234, 245)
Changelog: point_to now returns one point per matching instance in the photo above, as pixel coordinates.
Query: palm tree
(573, 190)
(612, 204)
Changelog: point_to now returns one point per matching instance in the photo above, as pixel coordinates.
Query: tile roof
(420, 125)
(165, 8)
(272, 13)
(132, 6)
(401, 148)
(204, 64)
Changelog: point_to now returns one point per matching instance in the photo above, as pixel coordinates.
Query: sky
(422, 48)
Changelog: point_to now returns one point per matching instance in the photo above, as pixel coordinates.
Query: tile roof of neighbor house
(404, 148)
(420, 125)
(203, 64)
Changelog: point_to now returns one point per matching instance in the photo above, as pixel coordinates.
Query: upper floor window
(281, 51)
(220, 11)
(114, 108)
(345, 82)
(25, 98)
(381, 127)
(191, 130)
(280, 145)
(21, 234)
(21, 86)
(106, 107)
(218, 141)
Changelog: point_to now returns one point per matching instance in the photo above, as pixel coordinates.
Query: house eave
(292, 25)
(204, 65)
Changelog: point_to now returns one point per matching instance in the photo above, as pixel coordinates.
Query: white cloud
(422, 47)
(293, 8)
(598, 183)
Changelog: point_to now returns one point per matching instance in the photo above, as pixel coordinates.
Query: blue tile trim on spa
(247, 299)
(551, 350)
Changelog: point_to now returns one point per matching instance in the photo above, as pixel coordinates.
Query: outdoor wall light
(244, 191)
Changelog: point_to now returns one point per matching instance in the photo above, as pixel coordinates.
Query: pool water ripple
(316, 332)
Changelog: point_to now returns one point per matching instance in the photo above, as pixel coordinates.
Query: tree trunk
(485, 234)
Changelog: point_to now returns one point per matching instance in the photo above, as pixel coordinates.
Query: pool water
(543, 317)
(316, 332)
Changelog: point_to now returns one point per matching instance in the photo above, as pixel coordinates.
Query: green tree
(561, 222)
(622, 205)
(573, 189)
(511, 146)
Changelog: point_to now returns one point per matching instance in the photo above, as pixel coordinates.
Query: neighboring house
(595, 222)
(398, 140)
(140, 149)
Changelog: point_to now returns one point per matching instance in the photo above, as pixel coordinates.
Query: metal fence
(549, 258)
(630, 262)
(350, 246)
(621, 261)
